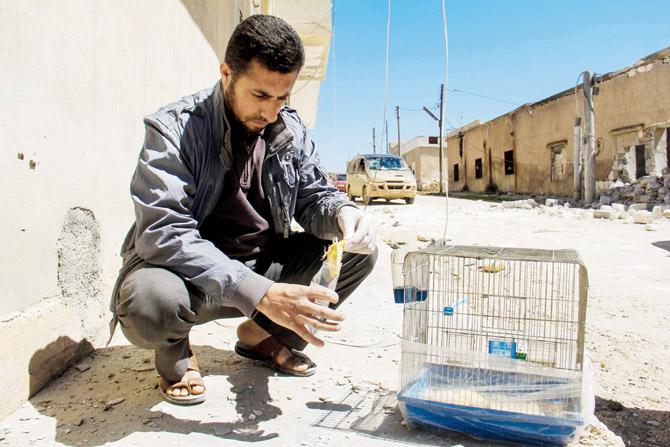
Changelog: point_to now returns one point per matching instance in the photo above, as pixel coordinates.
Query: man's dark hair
(269, 40)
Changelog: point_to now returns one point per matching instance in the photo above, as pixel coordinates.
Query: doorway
(640, 162)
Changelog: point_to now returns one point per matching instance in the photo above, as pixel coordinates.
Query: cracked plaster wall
(83, 75)
(79, 269)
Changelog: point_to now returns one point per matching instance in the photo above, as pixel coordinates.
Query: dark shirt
(240, 224)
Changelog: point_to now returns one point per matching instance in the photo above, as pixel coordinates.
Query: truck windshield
(385, 164)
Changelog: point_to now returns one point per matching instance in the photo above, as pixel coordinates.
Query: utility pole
(397, 114)
(590, 152)
(374, 145)
(577, 159)
(441, 155)
(439, 121)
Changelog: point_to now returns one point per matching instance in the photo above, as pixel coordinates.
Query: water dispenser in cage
(400, 289)
(419, 273)
(410, 276)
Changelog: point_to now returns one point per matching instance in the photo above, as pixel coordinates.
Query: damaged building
(531, 149)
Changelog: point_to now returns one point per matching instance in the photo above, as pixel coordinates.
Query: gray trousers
(157, 309)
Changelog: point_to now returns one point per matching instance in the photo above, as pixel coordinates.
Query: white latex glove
(359, 230)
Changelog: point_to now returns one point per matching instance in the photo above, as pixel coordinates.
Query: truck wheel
(409, 200)
(351, 196)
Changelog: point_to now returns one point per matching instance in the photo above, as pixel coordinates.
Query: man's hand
(292, 306)
(359, 229)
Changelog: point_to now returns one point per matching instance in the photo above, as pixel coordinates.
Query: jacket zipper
(286, 222)
(286, 226)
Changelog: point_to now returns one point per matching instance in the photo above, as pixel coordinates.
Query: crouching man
(220, 176)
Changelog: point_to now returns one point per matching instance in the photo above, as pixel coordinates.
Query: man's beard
(240, 122)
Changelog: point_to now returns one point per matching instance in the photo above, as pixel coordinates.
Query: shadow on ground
(637, 427)
(665, 245)
(375, 202)
(53, 360)
(375, 413)
(113, 393)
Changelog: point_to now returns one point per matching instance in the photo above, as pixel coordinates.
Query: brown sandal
(191, 398)
(266, 352)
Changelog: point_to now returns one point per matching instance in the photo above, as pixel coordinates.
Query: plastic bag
(330, 271)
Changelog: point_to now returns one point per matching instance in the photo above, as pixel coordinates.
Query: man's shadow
(113, 393)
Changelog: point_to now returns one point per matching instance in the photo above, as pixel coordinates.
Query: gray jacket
(177, 183)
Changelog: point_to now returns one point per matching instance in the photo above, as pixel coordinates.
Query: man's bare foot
(189, 390)
(251, 334)
(177, 390)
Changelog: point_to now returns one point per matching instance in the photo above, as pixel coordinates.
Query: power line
(386, 79)
(386, 83)
(455, 90)
(442, 107)
(465, 92)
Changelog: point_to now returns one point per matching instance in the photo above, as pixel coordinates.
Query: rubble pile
(650, 190)
(634, 213)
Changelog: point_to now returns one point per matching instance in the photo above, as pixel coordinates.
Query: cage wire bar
(496, 329)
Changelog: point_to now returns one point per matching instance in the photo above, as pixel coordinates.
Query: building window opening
(509, 162)
(640, 162)
(456, 178)
(433, 140)
(478, 168)
(557, 164)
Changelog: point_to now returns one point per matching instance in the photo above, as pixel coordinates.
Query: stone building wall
(632, 116)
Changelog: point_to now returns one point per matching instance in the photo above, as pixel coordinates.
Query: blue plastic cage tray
(484, 423)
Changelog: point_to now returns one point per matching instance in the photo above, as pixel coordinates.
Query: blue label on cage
(502, 348)
(421, 295)
(448, 310)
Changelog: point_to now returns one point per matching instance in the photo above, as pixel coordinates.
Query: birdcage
(493, 342)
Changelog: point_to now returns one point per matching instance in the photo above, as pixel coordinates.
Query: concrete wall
(538, 131)
(632, 108)
(77, 77)
(424, 161)
(416, 142)
(312, 20)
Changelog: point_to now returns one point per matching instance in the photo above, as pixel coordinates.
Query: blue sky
(519, 51)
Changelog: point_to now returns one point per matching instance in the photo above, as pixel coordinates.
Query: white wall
(77, 77)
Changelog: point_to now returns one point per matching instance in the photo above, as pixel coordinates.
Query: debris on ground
(83, 366)
(649, 190)
(528, 204)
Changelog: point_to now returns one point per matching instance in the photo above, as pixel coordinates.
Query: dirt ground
(110, 398)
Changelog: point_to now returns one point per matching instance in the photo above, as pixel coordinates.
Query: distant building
(422, 155)
(531, 150)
